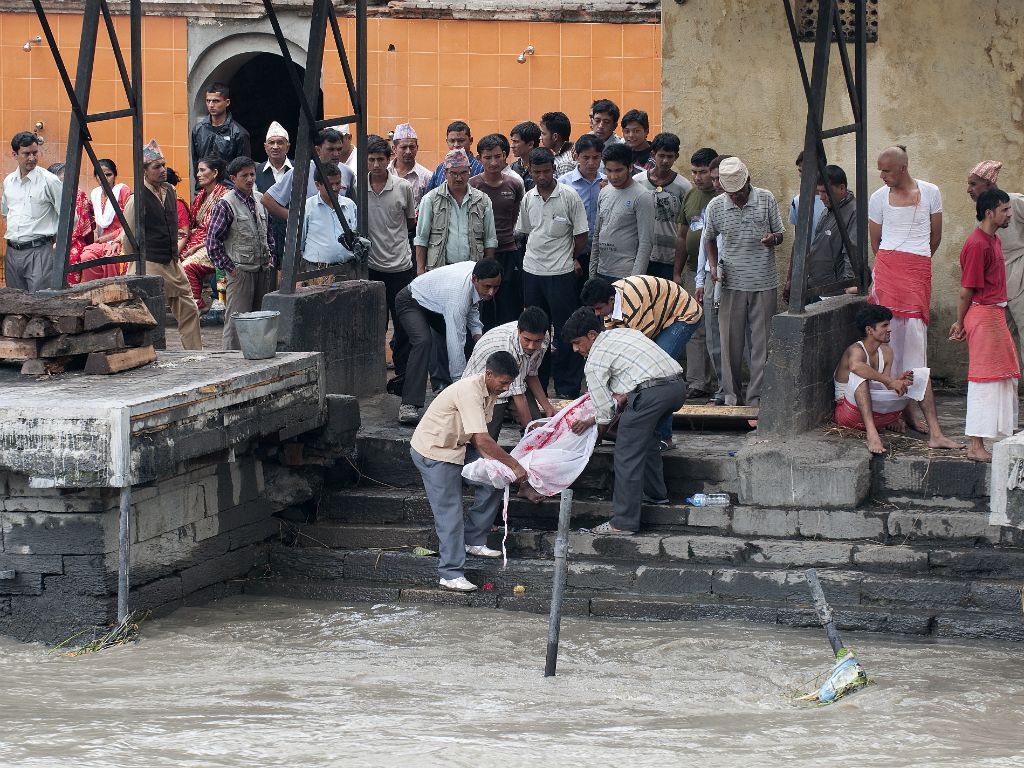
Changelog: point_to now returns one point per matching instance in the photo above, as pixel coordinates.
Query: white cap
(276, 131)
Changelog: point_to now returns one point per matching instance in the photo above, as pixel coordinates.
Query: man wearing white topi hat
(267, 175)
(748, 220)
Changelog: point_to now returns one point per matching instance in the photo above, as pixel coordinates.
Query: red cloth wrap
(990, 347)
(848, 415)
(902, 282)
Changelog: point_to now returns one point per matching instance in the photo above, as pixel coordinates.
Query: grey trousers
(443, 483)
(637, 456)
(738, 312)
(712, 338)
(29, 269)
(698, 370)
(418, 324)
(245, 292)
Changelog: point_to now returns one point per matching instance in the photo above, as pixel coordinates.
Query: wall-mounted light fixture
(528, 51)
(28, 43)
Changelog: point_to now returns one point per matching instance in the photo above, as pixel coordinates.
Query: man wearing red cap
(983, 177)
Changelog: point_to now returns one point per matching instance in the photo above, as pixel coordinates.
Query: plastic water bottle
(709, 500)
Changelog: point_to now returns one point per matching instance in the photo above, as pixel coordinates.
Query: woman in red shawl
(194, 258)
(108, 227)
(82, 234)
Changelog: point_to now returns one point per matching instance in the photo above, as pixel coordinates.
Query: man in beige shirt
(452, 431)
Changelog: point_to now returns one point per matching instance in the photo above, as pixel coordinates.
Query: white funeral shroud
(550, 452)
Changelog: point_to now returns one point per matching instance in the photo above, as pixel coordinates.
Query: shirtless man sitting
(868, 396)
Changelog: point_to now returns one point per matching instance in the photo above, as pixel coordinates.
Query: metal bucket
(257, 333)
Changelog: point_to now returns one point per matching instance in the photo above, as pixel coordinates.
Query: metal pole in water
(123, 552)
(824, 610)
(558, 585)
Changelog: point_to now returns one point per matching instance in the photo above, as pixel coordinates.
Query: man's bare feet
(918, 424)
(941, 441)
(528, 492)
(974, 454)
(875, 444)
(899, 426)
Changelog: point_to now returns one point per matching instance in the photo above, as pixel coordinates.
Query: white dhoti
(909, 344)
(991, 408)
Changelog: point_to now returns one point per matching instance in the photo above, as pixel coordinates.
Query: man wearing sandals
(627, 371)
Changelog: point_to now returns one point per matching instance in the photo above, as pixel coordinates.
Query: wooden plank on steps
(51, 365)
(18, 349)
(14, 326)
(718, 411)
(41, 328)
(82, 343)
(119, 360)
(712, 413)
(128, 313)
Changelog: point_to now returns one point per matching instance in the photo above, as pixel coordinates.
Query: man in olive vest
(241, 243)
(160, 244)
(456, 221)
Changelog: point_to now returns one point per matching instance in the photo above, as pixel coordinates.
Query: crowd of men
(537, 265)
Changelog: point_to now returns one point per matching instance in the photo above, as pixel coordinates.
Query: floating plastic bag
(846, 677)
(552, 454)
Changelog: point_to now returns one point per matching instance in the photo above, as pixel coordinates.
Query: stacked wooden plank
(103, 327)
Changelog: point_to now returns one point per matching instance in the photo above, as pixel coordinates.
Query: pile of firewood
(101, 327)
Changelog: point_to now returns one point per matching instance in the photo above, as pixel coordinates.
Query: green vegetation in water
(121, 633)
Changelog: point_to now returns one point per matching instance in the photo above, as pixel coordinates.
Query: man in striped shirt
(526, 339)
(626, 370)
(748, 220)
(660, 309)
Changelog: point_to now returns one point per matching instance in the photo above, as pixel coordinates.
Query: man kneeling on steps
(869, 396)
(452, 431)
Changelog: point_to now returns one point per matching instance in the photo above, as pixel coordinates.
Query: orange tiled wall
(30, 88)
(443, 70)
(439, 71)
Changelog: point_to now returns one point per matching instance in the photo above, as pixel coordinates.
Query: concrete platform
(79, 431)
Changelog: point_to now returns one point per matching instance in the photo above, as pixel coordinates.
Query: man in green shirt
(690, 226)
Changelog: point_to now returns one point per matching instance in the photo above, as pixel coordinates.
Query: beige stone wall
(946, 78)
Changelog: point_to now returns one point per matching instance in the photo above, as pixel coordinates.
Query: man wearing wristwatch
(748, 220)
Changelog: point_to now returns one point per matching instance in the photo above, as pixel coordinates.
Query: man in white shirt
(445, 300)
(905, 229)
(31, 205)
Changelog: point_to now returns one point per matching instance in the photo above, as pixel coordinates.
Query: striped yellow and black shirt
(652, 304)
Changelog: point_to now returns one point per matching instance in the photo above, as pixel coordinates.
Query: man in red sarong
(870, 395)
(994, 370)
(905, 227)
(983, 177)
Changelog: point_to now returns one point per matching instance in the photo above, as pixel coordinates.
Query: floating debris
(122, 633)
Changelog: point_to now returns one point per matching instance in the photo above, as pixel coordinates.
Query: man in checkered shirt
(627, 372)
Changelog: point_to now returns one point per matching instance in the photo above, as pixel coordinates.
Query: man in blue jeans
(662, 310)
(451, 432)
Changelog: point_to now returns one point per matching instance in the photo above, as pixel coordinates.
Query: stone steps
(943, 606)
(701, 463)
(673, 547)
(891, 523)
(707, 462)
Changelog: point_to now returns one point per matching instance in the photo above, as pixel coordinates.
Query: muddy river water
(267, 682)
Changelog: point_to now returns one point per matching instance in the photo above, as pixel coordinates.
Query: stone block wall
(202, 525)
(803, 351)
(343, 323)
